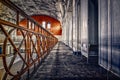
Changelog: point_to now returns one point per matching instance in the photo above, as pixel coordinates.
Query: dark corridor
(62, 64)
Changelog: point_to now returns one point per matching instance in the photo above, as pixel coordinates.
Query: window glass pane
(48, 26)
(43, 24)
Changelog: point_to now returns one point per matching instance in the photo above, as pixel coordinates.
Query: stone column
(70, 28)
(84, 27)
(75, 26)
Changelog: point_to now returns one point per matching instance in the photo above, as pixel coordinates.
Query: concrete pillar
(75, 26)
(84, 27)
(79, 27)
(67, 29)
(64, 31)
(70, 29)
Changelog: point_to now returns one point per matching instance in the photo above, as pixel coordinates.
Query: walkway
(62, 64)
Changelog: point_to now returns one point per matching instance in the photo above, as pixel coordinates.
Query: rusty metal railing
(21, 53)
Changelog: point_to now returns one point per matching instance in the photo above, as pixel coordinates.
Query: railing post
(28, 54)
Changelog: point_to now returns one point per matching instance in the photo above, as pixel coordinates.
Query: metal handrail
(40, 47)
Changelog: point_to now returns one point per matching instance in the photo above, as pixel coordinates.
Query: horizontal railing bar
(19, 27)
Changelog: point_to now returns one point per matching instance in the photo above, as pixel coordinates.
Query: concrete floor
(62, 64)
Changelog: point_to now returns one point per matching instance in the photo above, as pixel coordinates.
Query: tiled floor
(62, 64)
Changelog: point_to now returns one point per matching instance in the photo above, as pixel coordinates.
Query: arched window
(33, 25)
(44, 24)
(29, 25)
(48, 25)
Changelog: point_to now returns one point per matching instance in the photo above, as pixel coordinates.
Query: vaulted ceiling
(53, 8)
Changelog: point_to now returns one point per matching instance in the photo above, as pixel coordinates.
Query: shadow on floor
(62, 64)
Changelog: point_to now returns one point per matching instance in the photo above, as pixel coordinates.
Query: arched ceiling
(53, 8)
